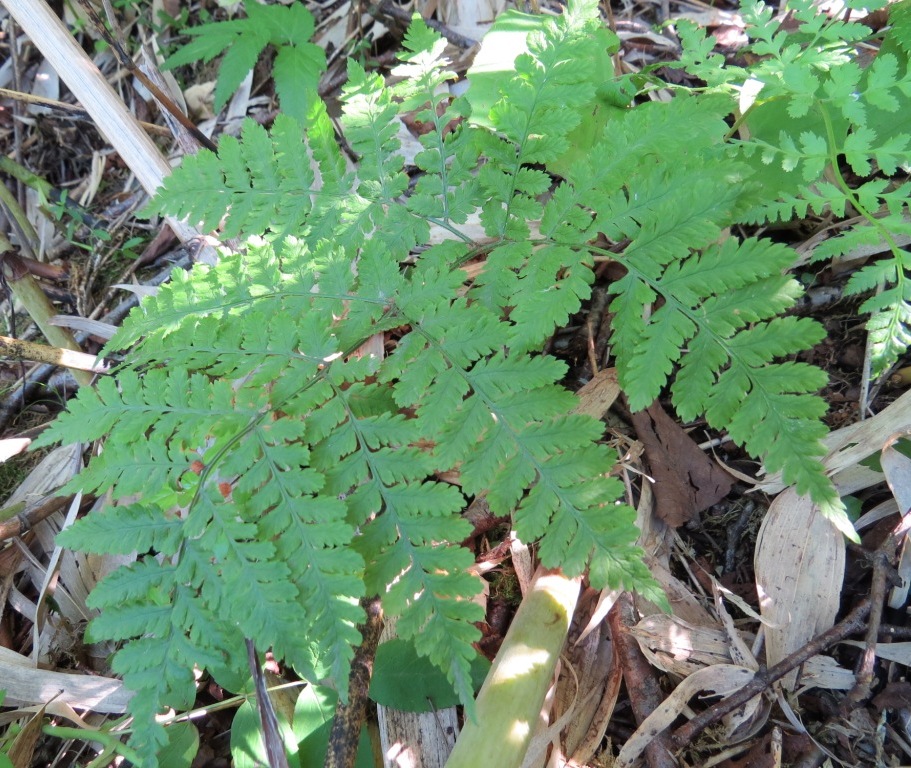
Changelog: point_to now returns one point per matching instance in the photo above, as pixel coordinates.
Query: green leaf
(403, 679)
(312, 750)
(183, 743)
(313, 716)
(298, 63)
(247, 747)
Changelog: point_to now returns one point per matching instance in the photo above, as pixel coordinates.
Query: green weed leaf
(298, 63)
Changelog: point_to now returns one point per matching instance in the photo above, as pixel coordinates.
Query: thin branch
(764, 678)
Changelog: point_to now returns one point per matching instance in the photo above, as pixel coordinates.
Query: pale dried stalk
(100, 100)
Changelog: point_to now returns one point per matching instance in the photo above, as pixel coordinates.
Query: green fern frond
(728, 371)
(297, 468)
(371, 126)
(448, 190)
(260, 183)
(533, 119)
(552, 285)
(124, 529)
(812, 108)
(900, 23)
(507, 427)
(890, 310)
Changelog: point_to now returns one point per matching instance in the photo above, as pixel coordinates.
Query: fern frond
(124, 529)
(448, 190)
(168, 636)
(296, 473)
(889, 325)
(260, 183)
(900, 22)
(728, 371)
(532, 121)
(371, 126)
(844, 243)
(506, 425)
(552, 285)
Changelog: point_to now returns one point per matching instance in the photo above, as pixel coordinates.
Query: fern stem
(441, 148)
(446, 225)
(843, 185)
(478, 250)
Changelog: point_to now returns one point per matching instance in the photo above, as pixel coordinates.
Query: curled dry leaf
(22, 750)
(678, 648)
(684, 603)
(800, 563)
(740, 652)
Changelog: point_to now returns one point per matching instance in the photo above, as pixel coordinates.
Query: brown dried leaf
(897, 469)
(686, 480)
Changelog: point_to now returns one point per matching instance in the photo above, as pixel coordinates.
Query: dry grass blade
(22, 750)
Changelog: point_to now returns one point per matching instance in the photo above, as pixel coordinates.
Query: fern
(292, 474)
(298, 62)
(816, 105)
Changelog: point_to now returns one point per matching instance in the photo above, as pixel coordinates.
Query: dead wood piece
(29, 517)
(349, 718)
(641, 684)
(764, 678)
(734, 533)
(29, 350)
